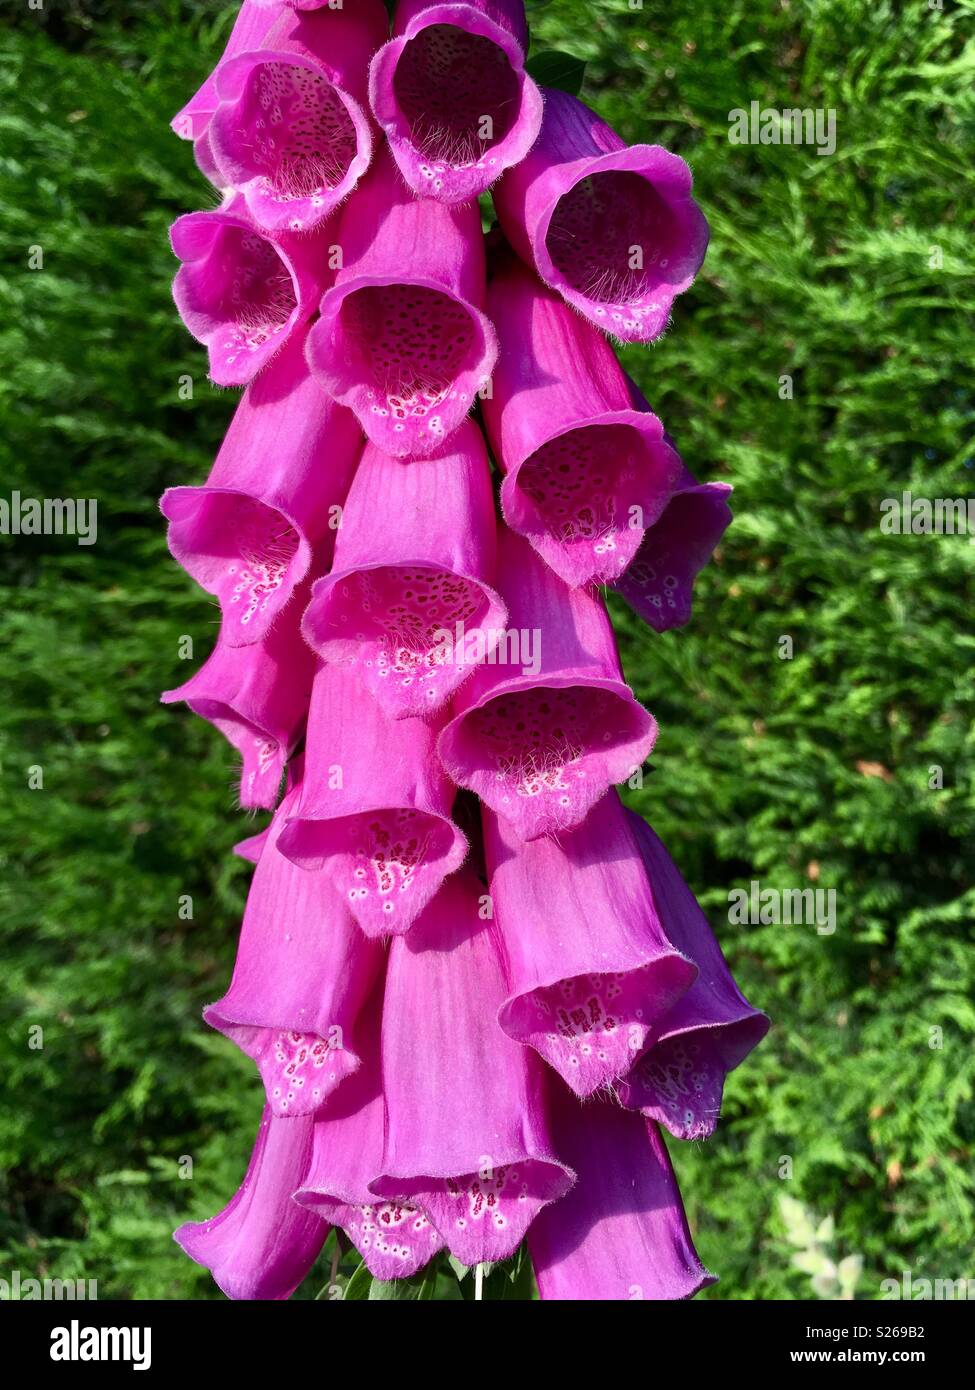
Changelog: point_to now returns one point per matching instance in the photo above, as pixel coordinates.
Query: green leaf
(550, 68)
(419, 1289)
(360, 1286)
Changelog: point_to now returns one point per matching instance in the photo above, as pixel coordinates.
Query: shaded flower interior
(387, 864)
(299, 1070)
(406, 346)
(243, 550)
(395, 618)
(247, 289)
(291, 131)
(614, 239)
(576, 493)
(458, 94)
(543, 756)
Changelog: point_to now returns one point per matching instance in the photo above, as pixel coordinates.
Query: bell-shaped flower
(621, 1234)
(611, 226)
(263, 1243)
(711, 1029)
(451, 92)
(395, 1239)
(592, 973)
(543, 727)
(659, 583)
(254, 19)
(402, 339)
(303, 972)
(585, 471)
(273, 498)
(242, 293)
(409, 601)
(257, 696)
(374, 810)
(291, 132)
(466, 1132)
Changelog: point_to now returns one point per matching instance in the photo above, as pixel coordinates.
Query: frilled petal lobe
(303, 973)
(258, 698)
(272, 499)
(395, 1239)
(585, 471)
(291, 130)
(711, 1029)
(621, 1233)
(466, 1135)
(263, 1243)
(451, 93)
(374, 811)
(253, 846)
(240, 293)
(659, 583)
(543, 727)
(253, 20)
(409, 601)
(612, 227)
(402, 339)
(592, 974)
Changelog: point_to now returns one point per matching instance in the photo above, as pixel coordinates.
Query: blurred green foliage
(850, 274)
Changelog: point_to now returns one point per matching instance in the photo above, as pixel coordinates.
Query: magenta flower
(402, 339)
(585, 472)
(466, 1133)
(273, 498)
(254, 19)
(591, 983)
(410, 605)
(612, 227)
(679, 1080)
(374, 810)
(451, 93)
(621, 1233)
(659, 582)
(257, 696)
(291, 131)
(395, 1239)
(465, 1040)
(303, 973)
(263, 1244)
(240, 293)
(542, 735)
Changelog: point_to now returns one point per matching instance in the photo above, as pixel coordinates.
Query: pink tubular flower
(263, 1244)
(374, 811)
(540, 737)
(291, 132)
(621, 1233)
(395, 1239)
(257, 696)
(253, 20)
(585, 472)
(272, 499)
(303, 972)
(407, 599)
(466, 1134)
(451, 92)
(592, 973)
(402, 339)
(680, 1079)
(612, 227)
(659, 583)
(240, 293)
